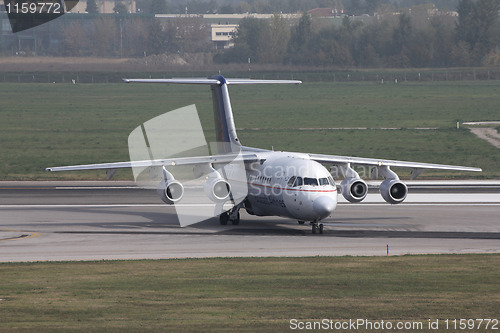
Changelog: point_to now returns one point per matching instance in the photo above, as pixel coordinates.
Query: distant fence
(325, 76)
(385, 76)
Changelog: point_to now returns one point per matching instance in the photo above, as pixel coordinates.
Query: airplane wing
(417, 166)
(227, 158)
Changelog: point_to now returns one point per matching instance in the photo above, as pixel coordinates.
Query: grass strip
(44, 124)
(244, 294)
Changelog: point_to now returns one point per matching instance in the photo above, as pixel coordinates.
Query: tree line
(410, 39)
(132, 36)
(351, 7)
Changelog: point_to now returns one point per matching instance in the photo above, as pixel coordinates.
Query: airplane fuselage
(290, 185)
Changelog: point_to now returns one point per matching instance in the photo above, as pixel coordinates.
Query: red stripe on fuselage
(293, 189)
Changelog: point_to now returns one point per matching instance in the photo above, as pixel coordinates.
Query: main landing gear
(232, 216)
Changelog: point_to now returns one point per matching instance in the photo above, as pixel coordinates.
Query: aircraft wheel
(223, 218)
(321, 228)
(301, 222)
(236, 221)
(314, 228)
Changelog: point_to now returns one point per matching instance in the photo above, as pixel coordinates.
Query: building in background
(222, 35)
(223, 27)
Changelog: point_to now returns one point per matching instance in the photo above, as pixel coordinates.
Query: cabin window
(311, 181)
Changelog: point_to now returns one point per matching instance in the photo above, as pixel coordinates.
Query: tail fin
(226, 137)
(225, 129)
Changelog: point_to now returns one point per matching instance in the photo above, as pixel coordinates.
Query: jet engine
(170, 191)
(217, 189)
(393, 191)
(354, 189)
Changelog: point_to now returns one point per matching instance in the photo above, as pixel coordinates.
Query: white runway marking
(103, 205)
(210, 205)
(97, 188)
(436, 198)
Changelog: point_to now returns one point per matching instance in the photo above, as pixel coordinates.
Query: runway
(42, 221)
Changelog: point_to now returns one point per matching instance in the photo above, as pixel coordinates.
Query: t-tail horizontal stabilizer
(226, 137)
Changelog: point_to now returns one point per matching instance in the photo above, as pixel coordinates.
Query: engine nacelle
(170, 191)
(354, 189)
(393, 191)
(217, 189)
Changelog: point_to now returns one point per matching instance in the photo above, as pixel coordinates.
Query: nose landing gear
(317, 227)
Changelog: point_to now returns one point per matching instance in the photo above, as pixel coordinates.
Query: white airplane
(286, 184)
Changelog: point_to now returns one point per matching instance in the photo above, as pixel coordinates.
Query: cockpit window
(311, 181)
(290, 182)
(323, 182)
(330, 179)
(298, 182)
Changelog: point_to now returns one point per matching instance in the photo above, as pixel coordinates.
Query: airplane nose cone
(324, 206)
